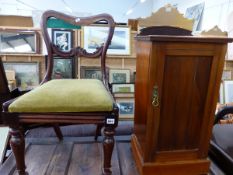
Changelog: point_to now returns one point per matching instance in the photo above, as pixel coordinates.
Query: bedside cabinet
(176, 92)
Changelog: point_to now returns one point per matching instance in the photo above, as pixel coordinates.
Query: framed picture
(226, 75)
(63, 68)
(26, 74)
(94, 36)
(195, 13)
(123, 88)
(126, 108)
(17, 41)
(228, 91)
(92, 72)
(119, 76)
(63, 39)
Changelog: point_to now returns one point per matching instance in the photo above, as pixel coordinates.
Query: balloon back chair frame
(108, 119)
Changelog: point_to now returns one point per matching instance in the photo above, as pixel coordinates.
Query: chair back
(78, 51)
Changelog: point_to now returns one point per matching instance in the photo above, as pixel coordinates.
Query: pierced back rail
(53, 50)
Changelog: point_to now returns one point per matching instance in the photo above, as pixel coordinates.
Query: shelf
(121, 56)
(123, 95)
(22, 54)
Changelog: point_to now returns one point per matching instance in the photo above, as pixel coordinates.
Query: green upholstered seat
(68, 95)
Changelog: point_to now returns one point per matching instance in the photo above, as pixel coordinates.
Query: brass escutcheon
(155, 97)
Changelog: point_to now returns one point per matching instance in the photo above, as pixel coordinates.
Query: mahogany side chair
(66, 101)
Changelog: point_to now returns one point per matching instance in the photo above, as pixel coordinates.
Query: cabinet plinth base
(191, 167)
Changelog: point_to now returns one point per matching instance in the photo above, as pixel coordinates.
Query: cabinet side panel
(185, 86)
(141, 91)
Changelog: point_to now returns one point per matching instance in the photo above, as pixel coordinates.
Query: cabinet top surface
(172, 38)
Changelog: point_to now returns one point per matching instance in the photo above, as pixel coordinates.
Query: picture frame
(226, 75)
(228, 91)
(63, 39)
(119, 76)
(94, 36)
(126, 108)
(122, 87)
(26, 74)
(20, 41)
(63, 68)
(92, 72)
(195, 13)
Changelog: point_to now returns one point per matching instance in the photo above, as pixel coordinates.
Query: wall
(215, 12)
(117, 8)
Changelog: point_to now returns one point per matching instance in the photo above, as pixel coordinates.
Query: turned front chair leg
(17, 144)
(108, 145)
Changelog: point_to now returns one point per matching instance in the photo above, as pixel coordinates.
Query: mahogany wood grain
(186, 70)
(141, 87)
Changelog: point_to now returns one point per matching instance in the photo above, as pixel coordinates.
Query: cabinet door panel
(184, 93)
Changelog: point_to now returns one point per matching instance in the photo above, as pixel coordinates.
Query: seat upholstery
(66, 95)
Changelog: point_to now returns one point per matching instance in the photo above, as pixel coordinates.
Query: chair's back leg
(98, 130)
(58, 131)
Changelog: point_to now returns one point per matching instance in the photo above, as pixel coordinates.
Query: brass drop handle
(155, 97)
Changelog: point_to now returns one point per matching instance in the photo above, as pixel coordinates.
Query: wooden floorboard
(74, 156)
(59, 164)
(115, 161)
(128, 167)
(86, 159)
(38, 158)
